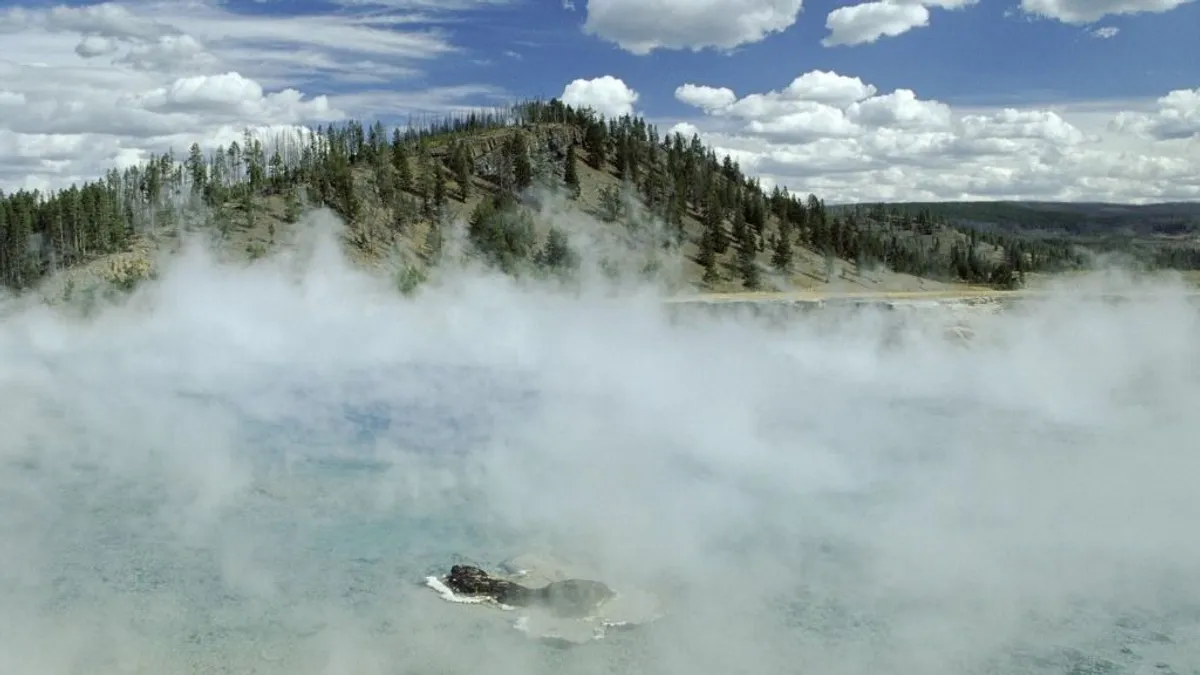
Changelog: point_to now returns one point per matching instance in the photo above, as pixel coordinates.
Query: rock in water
(567, 598)
(469, 580)
(573, 597)
(551, 601)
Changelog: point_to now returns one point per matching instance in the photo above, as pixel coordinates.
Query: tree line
(412, 173)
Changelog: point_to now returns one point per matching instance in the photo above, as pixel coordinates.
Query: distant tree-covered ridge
(401, 188)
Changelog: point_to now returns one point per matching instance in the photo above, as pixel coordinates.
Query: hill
(1068, 218)
(539, 188)
(1165, 235)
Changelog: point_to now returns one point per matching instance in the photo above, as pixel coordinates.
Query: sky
(1081, 100)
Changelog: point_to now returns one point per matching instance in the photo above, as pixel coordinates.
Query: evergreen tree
(197, 169)
(595, 140)
(518, 155)
(501, 232)
(400, 161)
(713, 217)
(708, 255)
(747, 250)
(557, 253)
(781, 253)
(571, 173)
(611, 207)
(461, 159)
(434, 242)
(748, 266)
(439, 191)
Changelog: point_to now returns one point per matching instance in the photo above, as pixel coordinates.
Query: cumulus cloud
(869, 21)
(119, 82)
(1104, 32)
(607, 95)
(900, 109)
(1177, 117)
(641, 26)
(842, 138)
(706, 98)
(816, 95)
(230, 94)
(1087, 11)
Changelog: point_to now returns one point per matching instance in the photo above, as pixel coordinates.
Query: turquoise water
(313, 563)
(800, 504)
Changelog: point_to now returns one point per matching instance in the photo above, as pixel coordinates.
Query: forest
(482, 171)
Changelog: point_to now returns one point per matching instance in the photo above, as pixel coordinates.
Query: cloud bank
(87, 87)
(842, 138)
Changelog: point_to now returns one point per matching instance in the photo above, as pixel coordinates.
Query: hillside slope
(533, 190)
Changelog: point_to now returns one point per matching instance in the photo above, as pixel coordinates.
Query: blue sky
(919, 99)
(990, 53)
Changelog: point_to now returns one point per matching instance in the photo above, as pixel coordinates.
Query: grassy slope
(384, 247)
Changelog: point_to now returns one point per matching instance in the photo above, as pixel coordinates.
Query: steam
(251, 469)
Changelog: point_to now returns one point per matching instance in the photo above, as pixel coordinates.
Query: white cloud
(116, 82)
(607, 95)
(1087, 11)
(230, 95)
(641, 26)
(867, 22)
(816, 95)
(900, 109)
(1177, 118)
(814, 105)
(829, 87)
(1104, 32)
(706, 98)
(844, 140)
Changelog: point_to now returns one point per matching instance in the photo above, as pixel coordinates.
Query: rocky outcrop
(469, 580)
(566, 598)
(547, 145)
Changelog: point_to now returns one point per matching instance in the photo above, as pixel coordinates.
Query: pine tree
(748, 267)
(557, 253)
(434, 242)
(781, 253)
(439, 190)
(708, 255)
(197, 169)
(404, 176)
(611, 206)
(519, 156)
(595, 140)
(461, 159)
(713, 217)
(426, 182)
(571, 173)
(747, 250)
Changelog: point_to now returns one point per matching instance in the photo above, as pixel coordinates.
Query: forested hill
(654, 198)
(1165, 235)
(1071, 218)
